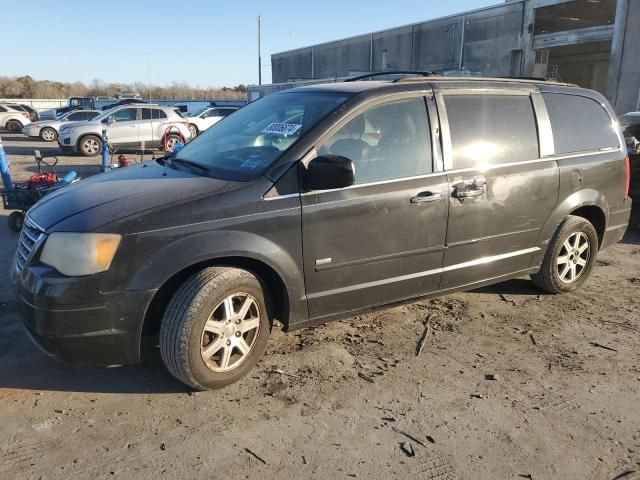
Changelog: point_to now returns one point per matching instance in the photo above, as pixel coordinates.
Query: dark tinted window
(158, 114)
(386, 142)
(146, 114)
(226, 111)
(76, 116)
(2, 109)
(579, 124)
(491, 129)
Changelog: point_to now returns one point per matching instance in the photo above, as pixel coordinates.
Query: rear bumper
(618, 223)
(71, 320)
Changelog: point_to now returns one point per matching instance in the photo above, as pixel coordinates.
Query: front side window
(125, 115)
(579, 124)
(491, 129)
(246, 144)
(386, 142)
(212, 113)
(76, 116)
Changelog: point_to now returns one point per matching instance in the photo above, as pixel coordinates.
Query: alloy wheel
(91, 146)
(230, 332)
(48, 135)
(573, 257)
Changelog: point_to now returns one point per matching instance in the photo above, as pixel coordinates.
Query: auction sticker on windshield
(282, 128)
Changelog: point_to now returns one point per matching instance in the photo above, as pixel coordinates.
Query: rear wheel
(48, 134)
(90, 146)
(215, 328)
(14, 126)
(570, 257)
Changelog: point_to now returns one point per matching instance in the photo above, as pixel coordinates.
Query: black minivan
(318, 202)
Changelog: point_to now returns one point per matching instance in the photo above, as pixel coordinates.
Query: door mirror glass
(110, 119)
(329, 171)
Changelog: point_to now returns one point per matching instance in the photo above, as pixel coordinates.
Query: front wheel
(194, 130)
(215, 328)
(570, 257)
(90, 146)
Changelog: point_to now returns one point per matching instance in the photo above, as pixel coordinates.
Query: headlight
(78, 254)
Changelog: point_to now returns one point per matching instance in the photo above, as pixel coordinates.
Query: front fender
(187, 250)
(571, 203)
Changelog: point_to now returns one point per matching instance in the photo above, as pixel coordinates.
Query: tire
(199, 342)
(14, 126)
(48, 134)
(15, 220)
(562, 254)
(194, 130)
(88, 146)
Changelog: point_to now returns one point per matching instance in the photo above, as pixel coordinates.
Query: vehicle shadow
(13, 150)
(517, 286)
(23, 367)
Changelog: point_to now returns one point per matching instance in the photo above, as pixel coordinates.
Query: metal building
(593, 43)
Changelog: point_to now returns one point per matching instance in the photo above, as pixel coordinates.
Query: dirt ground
(512, 383)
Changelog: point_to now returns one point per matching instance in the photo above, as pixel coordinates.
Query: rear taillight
(26, 114)
(627, 183)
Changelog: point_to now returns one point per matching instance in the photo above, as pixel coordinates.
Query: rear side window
(2, 109)
(146, 114)
(579, 124)
(158, 114)
(491, 129)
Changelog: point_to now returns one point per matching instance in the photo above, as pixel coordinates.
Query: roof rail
(390, 72)
(472, 78)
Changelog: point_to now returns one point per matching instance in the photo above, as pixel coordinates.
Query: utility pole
(259, 50)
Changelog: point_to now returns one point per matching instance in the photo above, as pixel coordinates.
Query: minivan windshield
(244, 145)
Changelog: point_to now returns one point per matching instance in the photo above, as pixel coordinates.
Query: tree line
(27, 87)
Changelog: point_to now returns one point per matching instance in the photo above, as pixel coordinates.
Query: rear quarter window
(579, 124)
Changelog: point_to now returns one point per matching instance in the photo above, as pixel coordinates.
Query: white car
(135, 126)
(204, 118)
(47, 130)
(12, 119)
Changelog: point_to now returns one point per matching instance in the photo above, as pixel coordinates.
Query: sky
(204, 43)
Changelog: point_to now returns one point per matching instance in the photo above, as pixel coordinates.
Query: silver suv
(136, 127)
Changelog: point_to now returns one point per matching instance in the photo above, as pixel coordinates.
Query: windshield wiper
(193, 166)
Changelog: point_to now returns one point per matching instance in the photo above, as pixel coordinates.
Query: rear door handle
(426, 197)
(474, 187)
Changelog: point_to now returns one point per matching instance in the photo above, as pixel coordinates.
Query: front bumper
(67, 143)
(31, 131)
(72, 321)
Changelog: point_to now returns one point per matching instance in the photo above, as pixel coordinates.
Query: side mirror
(329, 171)
(110, 120)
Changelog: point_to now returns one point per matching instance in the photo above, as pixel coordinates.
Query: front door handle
(473, 187)
(426, 197)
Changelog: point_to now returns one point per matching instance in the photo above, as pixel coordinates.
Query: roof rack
(390, 72)
(435, 77)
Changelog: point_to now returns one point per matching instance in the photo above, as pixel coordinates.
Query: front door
(124, 130)
(382, 239)
(501, 190)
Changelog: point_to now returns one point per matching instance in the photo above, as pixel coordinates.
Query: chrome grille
(30, 236)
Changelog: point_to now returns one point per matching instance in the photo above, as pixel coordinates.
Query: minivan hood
(108, 197)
